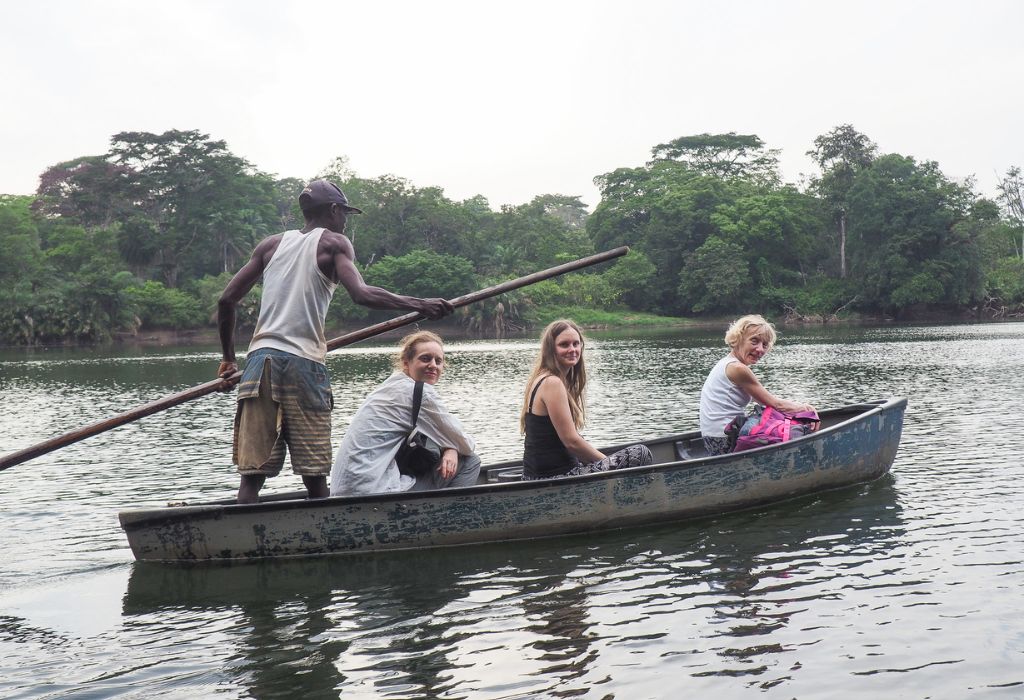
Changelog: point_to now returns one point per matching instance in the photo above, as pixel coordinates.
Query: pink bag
(773, 426)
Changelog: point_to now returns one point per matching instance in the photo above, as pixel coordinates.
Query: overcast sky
(515, 99)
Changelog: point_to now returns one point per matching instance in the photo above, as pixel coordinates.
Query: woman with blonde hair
(731, 384)
(366, 463)
(554, 411)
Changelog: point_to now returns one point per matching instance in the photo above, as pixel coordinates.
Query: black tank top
(544, 455)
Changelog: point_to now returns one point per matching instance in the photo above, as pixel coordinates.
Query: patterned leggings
(632, 456)
(716, 446)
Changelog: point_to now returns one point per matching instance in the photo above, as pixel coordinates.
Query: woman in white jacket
(365, 462)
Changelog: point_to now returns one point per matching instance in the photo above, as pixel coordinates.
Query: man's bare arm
(243, 281)
(373, 297)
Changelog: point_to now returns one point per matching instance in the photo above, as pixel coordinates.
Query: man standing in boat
(284, 396)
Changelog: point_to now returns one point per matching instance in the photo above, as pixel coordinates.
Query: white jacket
(365, 462)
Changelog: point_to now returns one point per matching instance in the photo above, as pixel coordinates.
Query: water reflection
(716, 596)
(293, 620)
(908, 586)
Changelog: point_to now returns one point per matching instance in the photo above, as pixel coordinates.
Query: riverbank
(589, 319)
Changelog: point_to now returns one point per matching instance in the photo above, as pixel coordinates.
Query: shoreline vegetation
(588, 319)
(593, 320)
(142, 240)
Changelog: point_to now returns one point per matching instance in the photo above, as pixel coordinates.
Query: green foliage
(151, 231)
(546, 293)
(592, 318)
(843, 150)
(778, 231)
(592, 291)
(821, 298)
(715, 278)
(664, 211)
(1005, 282)
(910, 235)
(160, 307)
(601, 290)
(72, 249)
(207, 291)
(842, 153)
(723, 156)
(399, 218)
(424, 273)
(1011, 196)
(343, 310)
(58, 281)
(541, 234)
(630, 277)
(66, 310)
(197, 207)
(89, 191)
(20, 261)
(90, 278)
(498, 315)
(922, 288)
(996, 238)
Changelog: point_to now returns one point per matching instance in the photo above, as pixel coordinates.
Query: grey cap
(320, 192)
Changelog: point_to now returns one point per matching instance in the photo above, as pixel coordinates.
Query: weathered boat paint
(856, 444)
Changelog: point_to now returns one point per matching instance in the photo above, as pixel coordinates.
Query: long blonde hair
(546, 364)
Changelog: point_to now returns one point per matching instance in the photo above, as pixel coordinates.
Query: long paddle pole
(222, 384)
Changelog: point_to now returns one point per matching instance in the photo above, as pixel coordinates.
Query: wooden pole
(223, 384)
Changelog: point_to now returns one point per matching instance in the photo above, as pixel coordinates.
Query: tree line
(147, 234)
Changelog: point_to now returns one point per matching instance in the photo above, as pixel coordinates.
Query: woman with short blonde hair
(731, 384)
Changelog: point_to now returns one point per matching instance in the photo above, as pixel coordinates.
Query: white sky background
(516, 99)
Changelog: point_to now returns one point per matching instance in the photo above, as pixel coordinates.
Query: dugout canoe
(856, 443)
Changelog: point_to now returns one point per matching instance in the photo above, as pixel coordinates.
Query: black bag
(418, 454)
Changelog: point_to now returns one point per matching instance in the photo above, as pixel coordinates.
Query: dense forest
(146, 236)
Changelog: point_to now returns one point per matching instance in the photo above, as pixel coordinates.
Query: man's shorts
(284, 401)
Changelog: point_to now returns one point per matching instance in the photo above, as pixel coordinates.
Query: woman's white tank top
(720, 400)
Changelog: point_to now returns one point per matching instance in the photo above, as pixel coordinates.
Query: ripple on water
(908, 586)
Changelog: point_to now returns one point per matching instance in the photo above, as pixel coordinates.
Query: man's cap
(321, 192)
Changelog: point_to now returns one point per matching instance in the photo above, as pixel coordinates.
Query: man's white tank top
(720, 400)
(295, 299)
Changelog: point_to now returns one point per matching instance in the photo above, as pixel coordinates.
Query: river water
(910, 586)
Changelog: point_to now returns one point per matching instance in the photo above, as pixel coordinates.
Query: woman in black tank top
(554, 410)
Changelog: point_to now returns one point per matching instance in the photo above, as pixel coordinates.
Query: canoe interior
(666, 450)
(673, 448)
(855, 444)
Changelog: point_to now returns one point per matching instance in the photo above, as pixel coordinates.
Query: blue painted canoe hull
(855, 444)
